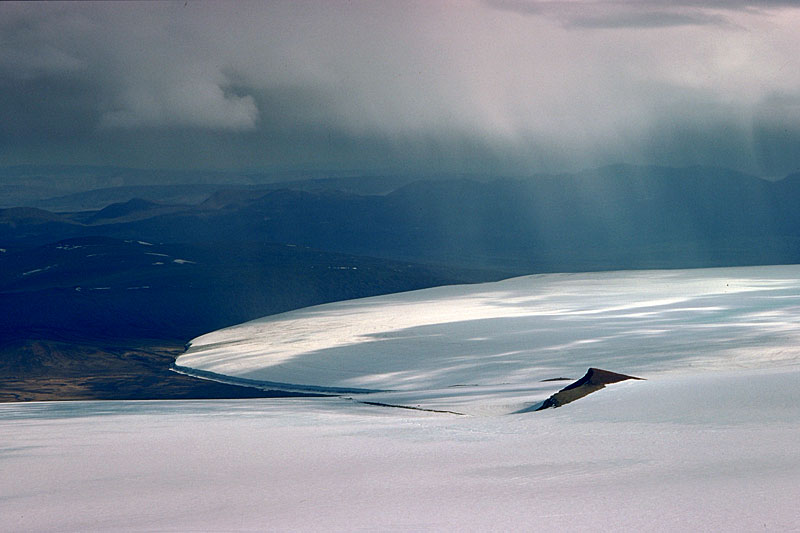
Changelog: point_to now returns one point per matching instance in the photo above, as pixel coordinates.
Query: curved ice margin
(266, 385)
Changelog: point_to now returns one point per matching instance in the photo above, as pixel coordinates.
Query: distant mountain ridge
(613, 218)
(72, 187)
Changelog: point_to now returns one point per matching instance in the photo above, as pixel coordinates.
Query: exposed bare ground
(46, 369)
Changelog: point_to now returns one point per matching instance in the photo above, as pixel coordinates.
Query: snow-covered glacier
(707, 442)
(516, 333)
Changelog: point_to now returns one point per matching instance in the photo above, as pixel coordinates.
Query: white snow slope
(710, 442)
(513, 334)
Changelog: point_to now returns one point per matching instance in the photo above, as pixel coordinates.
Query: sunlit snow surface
(512, 334)
(710, 442)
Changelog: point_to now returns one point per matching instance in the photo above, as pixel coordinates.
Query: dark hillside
(97, 317)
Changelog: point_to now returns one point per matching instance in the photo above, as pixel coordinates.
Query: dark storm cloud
(408, 86)
(599, 15)
(645, 19)
(616, 14)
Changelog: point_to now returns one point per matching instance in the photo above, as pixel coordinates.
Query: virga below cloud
(496, 86)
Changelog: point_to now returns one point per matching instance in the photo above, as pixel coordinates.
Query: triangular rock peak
(594, 380)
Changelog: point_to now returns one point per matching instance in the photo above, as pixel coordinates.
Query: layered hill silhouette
(613, 218)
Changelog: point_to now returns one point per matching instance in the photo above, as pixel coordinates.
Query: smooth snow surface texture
(713, 452)
(710, 442)
(514, 333)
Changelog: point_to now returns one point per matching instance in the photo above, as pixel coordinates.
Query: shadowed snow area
(469, 341)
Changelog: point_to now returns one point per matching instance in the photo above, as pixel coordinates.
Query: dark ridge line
(598, 377)
(594, 380)
(268, 385)
(380, 404)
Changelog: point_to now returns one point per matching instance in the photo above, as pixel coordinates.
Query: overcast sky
(495, 86)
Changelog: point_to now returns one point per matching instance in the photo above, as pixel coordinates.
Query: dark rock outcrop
(594, 380)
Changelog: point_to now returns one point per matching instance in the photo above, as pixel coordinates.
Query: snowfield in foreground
(709, 442)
